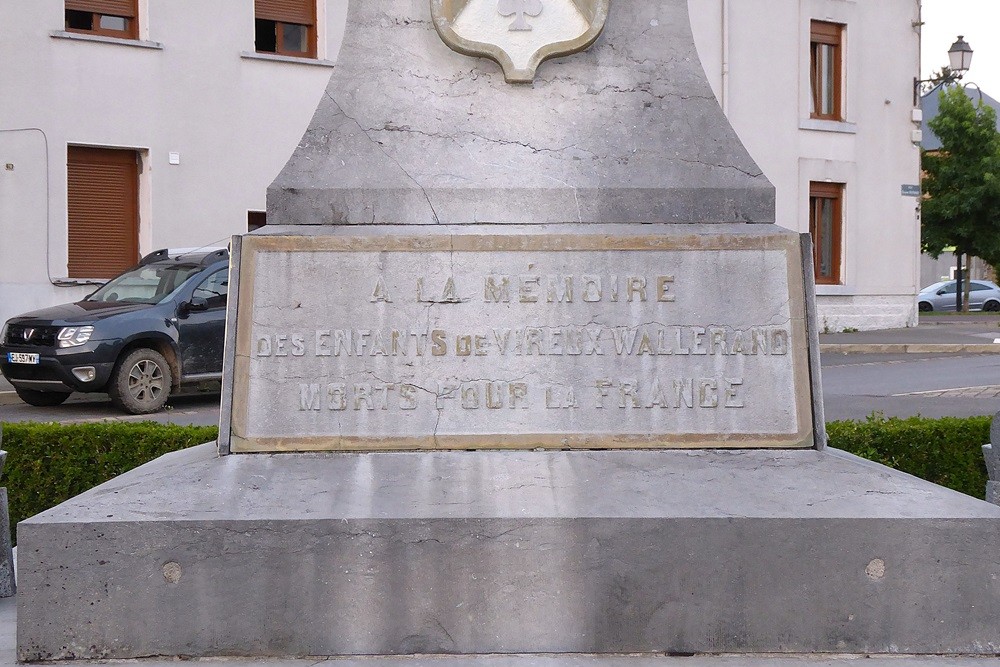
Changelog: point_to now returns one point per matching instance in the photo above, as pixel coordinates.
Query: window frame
(274, 16)
(834, 192)
(131, 33)
(826, 34)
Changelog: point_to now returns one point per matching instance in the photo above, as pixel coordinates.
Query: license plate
(22, 358)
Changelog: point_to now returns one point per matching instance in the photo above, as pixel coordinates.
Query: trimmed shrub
(50, 463)
(945, 451)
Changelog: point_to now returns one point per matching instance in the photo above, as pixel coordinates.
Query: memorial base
(509, 552)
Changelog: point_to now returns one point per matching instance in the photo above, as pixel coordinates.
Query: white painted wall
(234, 121)
(761, 77)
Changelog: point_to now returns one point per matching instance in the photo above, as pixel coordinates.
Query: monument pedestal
(510, 552)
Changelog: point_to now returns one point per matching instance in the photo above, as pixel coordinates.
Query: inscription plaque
(506, 341)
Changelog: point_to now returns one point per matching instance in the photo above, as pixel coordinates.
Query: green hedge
(947, 451)
(49, 463)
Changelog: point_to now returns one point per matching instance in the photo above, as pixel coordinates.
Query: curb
(909, 348)
(8, 398)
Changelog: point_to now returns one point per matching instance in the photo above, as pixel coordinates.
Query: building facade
(821, 93)
(132, 125)
(169, 96)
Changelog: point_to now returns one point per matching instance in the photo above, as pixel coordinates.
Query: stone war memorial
(523, 364)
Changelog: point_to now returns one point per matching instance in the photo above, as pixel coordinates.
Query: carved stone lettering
(551, 349)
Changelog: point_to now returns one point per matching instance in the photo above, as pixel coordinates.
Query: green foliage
(50, 463)
(945, 451)
(961, 182)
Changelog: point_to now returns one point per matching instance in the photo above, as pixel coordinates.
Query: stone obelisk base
(509, 552)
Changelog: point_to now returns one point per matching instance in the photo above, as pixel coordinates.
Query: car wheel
(924, 307)
(992, 306)
(141, 382)
(41, 399)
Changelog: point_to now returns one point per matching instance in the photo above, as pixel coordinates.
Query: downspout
(725, 57)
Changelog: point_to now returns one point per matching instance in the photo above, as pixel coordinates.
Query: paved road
(855, 386)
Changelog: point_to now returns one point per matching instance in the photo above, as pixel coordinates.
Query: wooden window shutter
(112, 7)
(302, 12)
(103, 204)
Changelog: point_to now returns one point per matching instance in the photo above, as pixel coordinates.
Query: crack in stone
(722, 166)
(423, 190)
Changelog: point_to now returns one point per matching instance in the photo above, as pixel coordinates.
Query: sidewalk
(935, 334)
(7, 395)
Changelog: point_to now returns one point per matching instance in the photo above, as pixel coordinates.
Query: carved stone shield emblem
(519, 34)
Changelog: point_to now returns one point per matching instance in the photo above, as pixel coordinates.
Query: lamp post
(959, 62)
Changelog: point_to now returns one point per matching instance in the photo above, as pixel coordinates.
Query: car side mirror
(197, 304)
(940, 292)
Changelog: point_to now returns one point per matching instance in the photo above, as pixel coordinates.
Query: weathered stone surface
(411, 132)
(355, 338)
(7, 584)
(604, 552)
(992, 455)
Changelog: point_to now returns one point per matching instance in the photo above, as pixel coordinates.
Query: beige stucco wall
(759, 69)
(234, 121)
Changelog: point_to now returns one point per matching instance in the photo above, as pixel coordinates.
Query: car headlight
(73, 336)
(3, 333)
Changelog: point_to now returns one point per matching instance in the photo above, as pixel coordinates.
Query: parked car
(141, 336)
(983, 295)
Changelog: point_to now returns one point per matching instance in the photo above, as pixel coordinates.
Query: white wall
(234, 121)
(766, 95)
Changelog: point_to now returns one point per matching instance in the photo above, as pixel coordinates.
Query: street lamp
(960, 55)
(960, 60)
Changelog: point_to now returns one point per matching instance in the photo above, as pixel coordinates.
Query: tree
(961, 183)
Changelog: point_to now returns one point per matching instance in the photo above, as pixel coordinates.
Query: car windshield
(150, 284)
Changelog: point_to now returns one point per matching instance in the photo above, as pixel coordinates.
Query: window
(214, 289)
(286, 27)
(826, 58)
(826, 211)
(110, 18)
(103, 211)
(256, 220)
